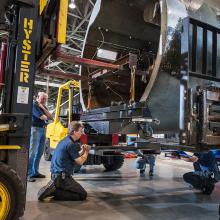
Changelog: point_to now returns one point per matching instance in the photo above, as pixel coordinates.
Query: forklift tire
(112, 163)
(12, 194)
(47, 152)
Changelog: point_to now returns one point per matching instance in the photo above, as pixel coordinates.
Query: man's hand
(192, 159)
(86, 147)
(175, 156)
(43, 117)
(83, 154)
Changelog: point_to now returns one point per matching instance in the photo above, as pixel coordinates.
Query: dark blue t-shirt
(37, 112)
(64, 155)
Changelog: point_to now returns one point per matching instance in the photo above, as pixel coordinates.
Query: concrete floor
(123, 195)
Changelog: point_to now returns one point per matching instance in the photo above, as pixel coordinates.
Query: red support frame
(104, 72)
(61, 75)
(85, 62)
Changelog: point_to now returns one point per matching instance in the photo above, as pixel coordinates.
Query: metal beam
(70, 48)
(91, 3)
(74, 15)
(61, 75)
(45, 84)
(85, 62)
(82, 22)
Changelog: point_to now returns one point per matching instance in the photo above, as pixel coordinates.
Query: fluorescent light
(107, 54)
(72, 5)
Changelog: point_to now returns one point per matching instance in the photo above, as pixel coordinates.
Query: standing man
(40, 117)
(66, 156)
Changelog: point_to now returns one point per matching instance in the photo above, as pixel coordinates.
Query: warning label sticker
(23, 94)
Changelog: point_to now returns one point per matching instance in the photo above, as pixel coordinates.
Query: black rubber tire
(10, 179)
(112, 163)
(47, 152)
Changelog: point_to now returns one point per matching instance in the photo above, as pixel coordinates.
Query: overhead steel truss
(78, 19)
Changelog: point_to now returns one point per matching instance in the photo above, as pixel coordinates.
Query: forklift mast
(18, 94)
(31, 37)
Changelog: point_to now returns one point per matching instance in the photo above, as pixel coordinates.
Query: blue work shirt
(207, 162)
(64, 155)
(37, 112)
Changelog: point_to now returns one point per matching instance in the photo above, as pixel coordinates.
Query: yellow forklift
(57, 130)
(27, 36)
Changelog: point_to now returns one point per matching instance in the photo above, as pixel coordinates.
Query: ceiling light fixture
(72, 4)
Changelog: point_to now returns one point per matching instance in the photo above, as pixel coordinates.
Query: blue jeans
(141, 162)
(36, 149)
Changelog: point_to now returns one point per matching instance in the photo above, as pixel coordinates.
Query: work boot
(142, 173)
(46, 191)
(208, 189)
(151, 173)
(30, 179)
(39, 175)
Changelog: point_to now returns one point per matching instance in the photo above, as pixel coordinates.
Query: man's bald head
(42, 97)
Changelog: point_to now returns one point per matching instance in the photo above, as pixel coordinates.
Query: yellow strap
(10, 147)
(132, 88)
(89, 104)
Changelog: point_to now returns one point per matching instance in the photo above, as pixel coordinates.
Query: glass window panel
(209, 53)
(199, 50)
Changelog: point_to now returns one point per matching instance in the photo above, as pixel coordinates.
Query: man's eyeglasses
(82, 131)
